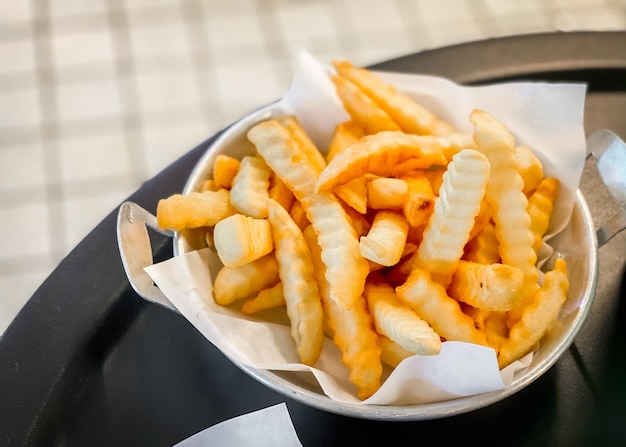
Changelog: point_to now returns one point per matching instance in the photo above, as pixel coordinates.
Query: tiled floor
(96, 96)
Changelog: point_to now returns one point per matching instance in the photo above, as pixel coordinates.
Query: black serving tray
(88, 362)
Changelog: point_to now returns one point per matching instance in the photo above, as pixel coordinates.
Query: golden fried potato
(344, 135)
(448, 229)
(538, 316)
(315, 157)
(483, 247)
(197, 209)
(420, 201)
(540, 208)
(529, 167)
(429, 300)
(225, 169)
(354, 194)
(240, 239)
(234, 283)
(398, 322)
(279, 192)
(250, 187)
(269, 298)
(300, 289)
(384, 154)
(386, 239)
(391, 352)
(411, 116)
(384, 193)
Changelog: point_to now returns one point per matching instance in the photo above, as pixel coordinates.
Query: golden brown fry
(483, 247)
(298, 215)
(429, 300)
(384, 154)
(538, 316)
(315, 157)
(487, 286)
(302, 296)
(354, 194)
(540, 207)
(411, 116)
(232, 284)
(391, 352)
(496, 329)
(459, 202)
(387, 193)
(529, 167)
(399, 322)
(420, 201)
(385, 241)
(266, 299)
(240, 239)
(353, 329)
(193, 210)
(345, 134)
(225, 168)
(250, 187)
(279, 191)
(504, 194)
(209, 185)
(362, 109)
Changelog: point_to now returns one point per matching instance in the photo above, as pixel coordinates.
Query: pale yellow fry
(454, 143)
(387, 193)
(283, 154)
(302, 296)
(540, 208)
(232, 284)
(504, 194)
(530, 168)
(346, 269)
(250, 187)
(391, 352)
(344, 135)
(354, 194)
(448, 229)
(496, 329)
(362, 109)
(193, 210)
(386, 239)
(240, 239)
(411, 116)
(487, 286)
(399, 322)
(384, 154)
(209, 185)
(483, 247)
(429, 300)
(269, 298)
(353, 329)
(307, 146)
(298, 215)
(420, 201)
(225, 169)
(538, 316)
(279, 191)
(481, 219)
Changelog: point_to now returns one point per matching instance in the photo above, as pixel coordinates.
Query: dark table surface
(88, 362)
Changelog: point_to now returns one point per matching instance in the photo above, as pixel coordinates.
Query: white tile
(373, 15)
(438, 12)
(234, 31)
(88, 100)
(21, 167)
(593, 20)
(17, 290)
(25, 230)
(148, 41)
(15, 11)
(305, 22)
(161, 90)
(77, 7)
(82, 48)
(19, 108)
(94, 157)
(17, 56)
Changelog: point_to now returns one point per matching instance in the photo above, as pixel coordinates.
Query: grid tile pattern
(97, 96)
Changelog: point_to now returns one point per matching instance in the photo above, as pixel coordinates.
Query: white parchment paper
(547, 117)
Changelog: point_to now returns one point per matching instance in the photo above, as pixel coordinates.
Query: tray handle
(133, 241)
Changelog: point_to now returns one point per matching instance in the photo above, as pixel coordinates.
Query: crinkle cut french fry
(386, 239)
(429, 300)
(193, 210)
(315, 157)
(298, 215)
(399, 322)
(250, 187)
(344, 135)
(233, 284)
(529, 167)
(302, 295)
(269, 298)
(279, 191)
(352, 329)
(453, 217)
(384, 154)
(340, 248)
(540, 208)
(420, 200)
(504, 194)
(391, 352)
(209, 185)
(240, 239)
(362, 109)
(483, 247)
(387, 193)
(285, 157)
(354, 194)
(411, 116)
(225, 169)
(538, 316)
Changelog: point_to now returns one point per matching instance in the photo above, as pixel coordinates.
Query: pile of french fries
(401, 234)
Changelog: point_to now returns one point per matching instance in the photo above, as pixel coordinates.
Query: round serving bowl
(577, 244)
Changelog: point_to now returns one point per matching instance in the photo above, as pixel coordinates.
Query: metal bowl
(576, 243)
